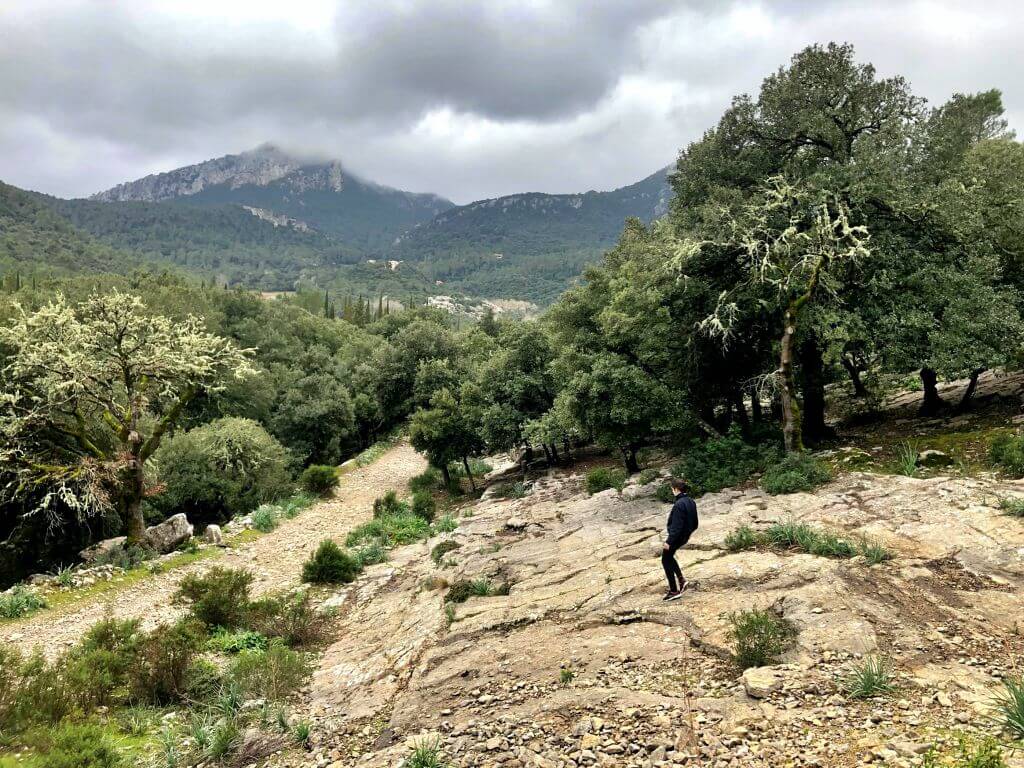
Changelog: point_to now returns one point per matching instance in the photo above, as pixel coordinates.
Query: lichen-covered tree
(89, 392)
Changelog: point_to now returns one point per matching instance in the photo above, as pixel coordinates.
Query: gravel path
(274, 559)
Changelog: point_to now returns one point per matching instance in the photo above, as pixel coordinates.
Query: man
(682, 522)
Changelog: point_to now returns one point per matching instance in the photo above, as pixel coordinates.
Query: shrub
(389, 531)
(225, 641)
(516, 490)
(73, 745)
(371, 554)
(225, 468)
(906, 459)
(202, 681)
(19, 601)
(103, 662)
(426, 754)
(446, 524)
(1009, 704)
(292, 618)
(274, 673)
(1007, 451)
(428, 481)
(443, 548)
(664, 494)
(295, 504)
(265, 518)
(741, 538)
(1012, 505)
(219, 598)
(985, 753)
(331, 565)
(871, 677)
(603, 478)
(459, 592)
(126, 558)
(760, 637)
(10, 663)
(566, 675)
(319, 479)
(796, 472)
(160, 674)
(389, 505)
(423, 505)
(648, 476)
(722, 462)
(806, 538)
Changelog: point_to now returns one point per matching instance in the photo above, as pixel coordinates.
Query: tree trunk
(756, 414)
(965, 401)
(812, 376)
(932, 403)
(447, 476)
(547, 453)
(465, 463)
(792, 431)
(736, 400)
(554, 454)
(131, 503)
(859, 390)
(566, 449)
(629, 455)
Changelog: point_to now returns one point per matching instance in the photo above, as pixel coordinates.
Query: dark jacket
(682, 521)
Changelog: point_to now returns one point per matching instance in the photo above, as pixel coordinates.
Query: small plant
(274, 673)
(423, 505)
(796, 472)
(869, 678)
(19, 601)
(330, 564)
(389, 505)
(301, 733)
(389, 531)
(664, 494)
(805, 538)
(265, 518)
(319, 479)
(874, 552)
(165, 657)
(985, 753)
(75, 746)
(1007, 452)
(760, 637)
(1012, 505)
(125, 558)
(446, 524)
(566, 675)
(906, 459)
(65, 577)
(371, 554)
(481, 587)
(1009, 706)
(219, 598)
(603, 478)
(741, 538)
(426, 754)
(443, 548)
(449, 615)
(648, 476)
(293, 618)
(225, 737)
(459, 592)
(292, 506)
(516, 490)
(427, 481)
(224, 641)
(723, 462)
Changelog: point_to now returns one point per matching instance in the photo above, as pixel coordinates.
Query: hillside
(320, 195)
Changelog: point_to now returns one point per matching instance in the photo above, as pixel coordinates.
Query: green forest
(831, 228)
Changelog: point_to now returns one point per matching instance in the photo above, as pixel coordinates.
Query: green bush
(202, 681)
(1010, 706)
(222, 469)
(760, 637)
(664, 494)
(293, 618)
(126, 557)
(443, 548)
(1007, 452)
(985, 753)
(389, 531)
(459, 592)
(428, 481)
(102, 665)
(266, 518)
(389, 505)
(73, 745)
(796, 472)
(371, 554)
(869, 678)
(446, 524)
(273, 674)
(603, 478)
(741, 538)
(516, 490)
(1012, 505)
(225, 641)
(648, 476)
(423, 505)
(160, 673)
(19, 601)
(319, 479)
(723, 462)
(806, 538)
(219, 598)
(331, 565)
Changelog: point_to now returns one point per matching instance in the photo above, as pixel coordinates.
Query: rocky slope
(653, 684)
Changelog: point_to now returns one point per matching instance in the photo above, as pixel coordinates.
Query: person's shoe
(672, 595)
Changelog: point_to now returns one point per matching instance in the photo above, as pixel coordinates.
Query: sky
(464, 98)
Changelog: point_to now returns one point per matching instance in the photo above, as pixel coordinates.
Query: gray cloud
(467, 99)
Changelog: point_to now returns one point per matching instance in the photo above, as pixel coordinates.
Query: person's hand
(665, 546)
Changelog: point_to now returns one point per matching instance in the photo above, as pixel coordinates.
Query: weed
(516, 490)
(292, 506)
(1007, 452)
(265, 518)
(443, 548)
(19, 601)
(224, 641)
(869, 678)
(741, 538)
(274, 673)
(1009, 705)
(389, 505)
(426, 754)
(873, 552)
(372, 554)
(75, 746)
(301, 733)
(293, 618)
(389, 531)
(603, 478)
(648, 476)
(760, 637)
(481, 588)
(664, 494)
(428, 481)
(225, 737)
(446, 524)
(906, 459)
(449, 615)
(330, 564)
(566, 675)
(1012, 505)
(806, 538)
(160, 671)
(969, 754)
(460, 591)
(65, 576)
(125, 558)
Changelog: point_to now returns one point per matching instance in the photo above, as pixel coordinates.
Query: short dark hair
(679, 484)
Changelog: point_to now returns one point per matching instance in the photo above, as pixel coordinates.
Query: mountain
(528, 246)
(272, 184)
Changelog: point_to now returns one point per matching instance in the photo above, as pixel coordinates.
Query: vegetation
(869, 677)
(426, 754)
(1009, 704)
(1007, 452)
(319, 479)
(805, 538)
(331, 565)
(423, 505)
(983, 753)
(722, 462)
(218, 598)
(1013, 506)
(442, 548)
(760, 637)
(19, 601)
(603, 478)
(795, 472)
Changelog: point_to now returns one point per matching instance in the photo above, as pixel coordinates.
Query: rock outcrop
(169, 535)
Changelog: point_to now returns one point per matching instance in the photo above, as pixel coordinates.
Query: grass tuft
(1009, 706)
(869, 678)
(760, 637)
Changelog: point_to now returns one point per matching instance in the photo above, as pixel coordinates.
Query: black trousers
(672, 569)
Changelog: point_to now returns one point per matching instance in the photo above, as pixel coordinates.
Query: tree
(446, 431)
(89, 393)
(787, 243)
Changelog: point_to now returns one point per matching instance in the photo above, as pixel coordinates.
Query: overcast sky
(466, 99)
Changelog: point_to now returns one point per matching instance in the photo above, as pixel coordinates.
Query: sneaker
(670, 595)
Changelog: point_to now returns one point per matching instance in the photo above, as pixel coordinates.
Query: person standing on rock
(682, 522)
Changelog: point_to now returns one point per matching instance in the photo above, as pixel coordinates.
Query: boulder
(102, 549)
(934, 458)
(516, 524)
(213, 535)
(758, 682)
(170, 534)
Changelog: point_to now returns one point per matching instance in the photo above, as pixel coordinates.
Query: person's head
(678, 485)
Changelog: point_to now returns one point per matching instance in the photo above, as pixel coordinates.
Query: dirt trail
(275, 559)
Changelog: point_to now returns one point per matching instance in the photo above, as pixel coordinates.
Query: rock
(102, 549)
(758, 682)
(41, 579)
(516, 524)
(934, 458)
(213, 535)
(170, 534)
